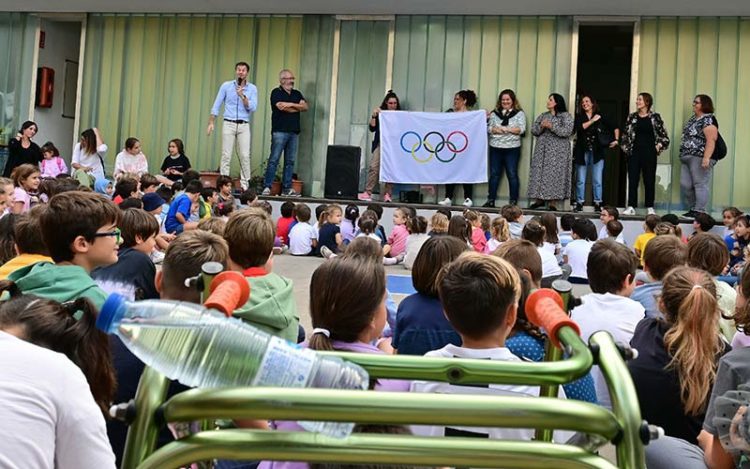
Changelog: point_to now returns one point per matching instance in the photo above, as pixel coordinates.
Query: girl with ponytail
(678, 355)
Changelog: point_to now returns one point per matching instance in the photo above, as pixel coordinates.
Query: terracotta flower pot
(297, 186)
(276, 188)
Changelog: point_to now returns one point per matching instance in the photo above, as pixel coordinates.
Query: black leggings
(641, 162)
(450, 190)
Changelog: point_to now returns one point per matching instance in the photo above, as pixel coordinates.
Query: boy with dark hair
(663, 253)
(702, 223)
(248, 196)
(224, 187)
(648, 227)
(250, 236)
(303, 239)
(149, 183)
(190, 175)
(611, 269)
(125, 187)
(445, 211)
(534, 232)
(179, 209)
(81, 234)
(566, 226)
(130, 202)
(707, 251)
(209, 199)
(285, 223)
(608, 213)
(614, 231)
(480, 298)
(29, 243)
(514, 215)
(133, 274)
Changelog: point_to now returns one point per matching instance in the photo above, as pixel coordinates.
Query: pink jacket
(397, 240)
(478, 240)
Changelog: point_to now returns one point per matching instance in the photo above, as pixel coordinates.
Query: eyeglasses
(116, 233)
(287, 78)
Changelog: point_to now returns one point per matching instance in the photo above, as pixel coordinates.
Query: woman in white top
(53, 403)
(131, 160)
(506, 124)
(89, 152)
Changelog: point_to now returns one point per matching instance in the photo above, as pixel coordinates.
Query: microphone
(239, 81)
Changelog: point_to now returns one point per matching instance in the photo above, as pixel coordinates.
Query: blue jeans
(286, 142)
(597, 169)
(504, 159)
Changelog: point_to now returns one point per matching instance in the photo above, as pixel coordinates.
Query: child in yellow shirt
(640, 242)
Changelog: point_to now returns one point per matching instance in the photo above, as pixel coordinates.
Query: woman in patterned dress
(552, 161)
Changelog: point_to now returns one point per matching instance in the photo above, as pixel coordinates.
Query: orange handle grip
(229, 291)
(545, 309)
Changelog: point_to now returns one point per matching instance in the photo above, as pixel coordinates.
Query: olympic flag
(433, 147)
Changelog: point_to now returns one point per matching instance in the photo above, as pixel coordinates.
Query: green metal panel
(682, 57)
(17, 32)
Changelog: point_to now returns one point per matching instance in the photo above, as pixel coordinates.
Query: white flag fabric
(433, 147)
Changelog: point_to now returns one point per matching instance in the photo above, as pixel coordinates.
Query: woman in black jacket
(21, 150)
(594, 134)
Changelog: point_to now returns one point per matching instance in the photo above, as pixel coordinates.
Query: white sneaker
(629, 211)
(266, 191)
(446, 202)
(468, 203)
(651, 211)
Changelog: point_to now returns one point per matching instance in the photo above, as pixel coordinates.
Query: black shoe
(578, 207)
(536, 205)
(552, 208)
(489, 204)
(512, 202)
(689, 214)
(597, 207)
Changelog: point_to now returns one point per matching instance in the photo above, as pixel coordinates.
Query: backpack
(720, 149)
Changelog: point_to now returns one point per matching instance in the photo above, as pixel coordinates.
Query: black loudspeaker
(342, 172)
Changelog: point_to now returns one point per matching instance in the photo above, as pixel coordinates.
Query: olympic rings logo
(444, 149)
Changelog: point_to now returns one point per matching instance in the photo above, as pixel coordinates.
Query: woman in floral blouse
(698, 142)
(644, 139)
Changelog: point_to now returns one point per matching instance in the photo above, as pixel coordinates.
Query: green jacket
(271, 306)
(58, 282)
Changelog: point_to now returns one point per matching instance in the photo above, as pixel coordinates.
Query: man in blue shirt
(286, 104)
(240, 99)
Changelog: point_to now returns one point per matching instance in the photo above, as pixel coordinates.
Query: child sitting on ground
(285, 222)
(303, 239)
(319, 209)
(28, 243)
(566, 226)
(399, 233)
(576, 253)
(349, 223)
(421, 325)
(329, 234)
(729, 215)
(224, 186)
(707, 252)
(180, 209)
(25, 195)
(80, 231)
(380, 231)
(250, 236)
(526, 340)
(439, 224)
(460, 228)
(207, 202)
(514, 215)
(148, 183)
(534, 232)
(500, 234)
(551, 238)
(417, 227)
(736, 244)
(611, 269)
(608, 214)
(486, 223)
(702, 223)
(132, 276)
(484, 323)
(640, 242)
(477, 238)
(125, 187)
(663, 253)
(52, 165)
(614, 231)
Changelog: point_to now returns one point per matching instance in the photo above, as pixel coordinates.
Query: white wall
(62, 42)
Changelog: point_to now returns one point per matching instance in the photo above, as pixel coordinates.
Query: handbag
(604, 137)
(720, 149)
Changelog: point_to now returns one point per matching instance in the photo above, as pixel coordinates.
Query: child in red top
(399, 234)
(285, 223)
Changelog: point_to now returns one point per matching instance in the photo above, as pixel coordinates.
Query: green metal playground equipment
(595, 425)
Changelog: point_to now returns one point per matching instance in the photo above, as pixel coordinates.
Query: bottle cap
(111, 313)
(229, 291)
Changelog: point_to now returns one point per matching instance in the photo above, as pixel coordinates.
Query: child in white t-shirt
(576, 253)
(483, 323)
(303, 239)
(533, 231)
(611, 269)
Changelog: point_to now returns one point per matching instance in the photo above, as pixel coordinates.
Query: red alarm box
(45, 86)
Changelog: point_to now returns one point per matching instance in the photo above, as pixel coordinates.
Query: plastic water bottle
(203, 348)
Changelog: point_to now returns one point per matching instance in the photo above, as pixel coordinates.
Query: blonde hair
(690, 307)
(500, 229)
(439, 223)
(471, 215)
(330, 210)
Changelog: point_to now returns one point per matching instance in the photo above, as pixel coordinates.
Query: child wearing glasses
(133, 274)
(80, 231)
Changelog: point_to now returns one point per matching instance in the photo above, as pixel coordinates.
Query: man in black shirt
(286, 104)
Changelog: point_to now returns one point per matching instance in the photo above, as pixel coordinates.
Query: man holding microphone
(240, 99)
